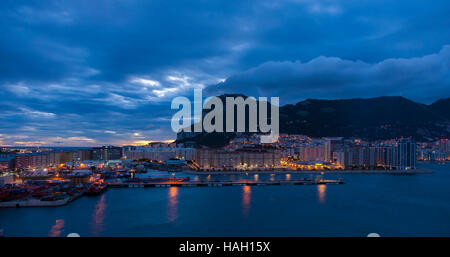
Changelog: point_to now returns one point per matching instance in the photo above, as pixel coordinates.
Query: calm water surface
(386, 204)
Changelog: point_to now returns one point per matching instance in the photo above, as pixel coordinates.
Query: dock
(227, 183)
(313, 172)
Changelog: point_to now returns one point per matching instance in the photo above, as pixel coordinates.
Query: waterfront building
(83, 155)
(43, 159)
(31, 160)
(331, 144)
(7, 154)
(314, 151)
(260, 157)
(436, 151)
(248, 157)
(7, 163)
(127, 148)
(23, 161)
(354, 156)
(444, 145)
(217, 158)
(288, 152)
(185, 153)
(158, 154)
(161, 153)
(404, 154)
(106, 153)
(362, 156)
(443, 150)
(339, 157)
(392, 154)
(58, 157)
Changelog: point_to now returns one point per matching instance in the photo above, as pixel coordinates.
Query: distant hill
(441, 107)
(371, 118)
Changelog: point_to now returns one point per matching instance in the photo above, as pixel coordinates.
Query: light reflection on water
(272, 177)
(246, 197)
(321, 192)
(57, 229)
(98, 216)
(172, 207)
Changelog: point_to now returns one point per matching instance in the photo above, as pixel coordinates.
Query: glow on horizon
(146, 142)
(49, 144)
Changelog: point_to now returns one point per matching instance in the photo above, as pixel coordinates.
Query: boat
(40, 193)
(95, 189)
(13, 194)
(4, 195)
(48, 198)
(59, 195)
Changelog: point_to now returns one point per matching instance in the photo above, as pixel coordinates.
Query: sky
(86, 73)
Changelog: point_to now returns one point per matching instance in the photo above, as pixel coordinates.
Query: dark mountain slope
(371, 118)
(441, 107)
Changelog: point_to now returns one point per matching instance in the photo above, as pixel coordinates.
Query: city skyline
(79, 73)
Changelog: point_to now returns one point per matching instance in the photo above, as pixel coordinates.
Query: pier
(220, 183)
(313, 172)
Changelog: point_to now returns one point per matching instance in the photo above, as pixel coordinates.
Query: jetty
(313, 172)
(219, 183)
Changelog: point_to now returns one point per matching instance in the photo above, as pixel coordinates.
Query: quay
(314, 172)
(226, 183)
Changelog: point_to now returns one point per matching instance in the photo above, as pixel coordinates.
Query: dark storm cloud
(92, 72)
(424, 79)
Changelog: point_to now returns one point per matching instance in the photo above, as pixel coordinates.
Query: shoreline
(342, 172)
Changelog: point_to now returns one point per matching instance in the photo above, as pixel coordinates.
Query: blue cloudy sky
(97, 72)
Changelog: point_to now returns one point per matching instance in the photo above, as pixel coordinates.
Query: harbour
(41, 196)
(387, 205)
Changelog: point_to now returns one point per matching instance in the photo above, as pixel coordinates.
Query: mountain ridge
(376, 118)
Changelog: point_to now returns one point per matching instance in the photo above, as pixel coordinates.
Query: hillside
(441, 107)
(370, 118)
